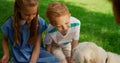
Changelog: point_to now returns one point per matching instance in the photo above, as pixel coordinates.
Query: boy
(62, 33)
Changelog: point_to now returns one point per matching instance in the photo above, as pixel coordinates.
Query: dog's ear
(106, 60)
(85, 61)
(93, 61)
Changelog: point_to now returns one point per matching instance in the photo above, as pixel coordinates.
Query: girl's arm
(5, 58)
(36, 50)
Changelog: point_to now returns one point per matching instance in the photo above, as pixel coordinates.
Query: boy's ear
(69, 14)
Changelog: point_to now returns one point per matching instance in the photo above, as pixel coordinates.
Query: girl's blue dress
(22, 53)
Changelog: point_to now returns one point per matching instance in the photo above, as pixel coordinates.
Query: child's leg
(67, 52)
(57, 51)
(46, 57)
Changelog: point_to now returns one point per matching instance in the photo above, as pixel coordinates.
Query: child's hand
(70, 60)
(4, 59)
(32, 62)
(0, 61)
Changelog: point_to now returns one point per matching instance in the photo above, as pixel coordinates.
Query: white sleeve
(47, 39)
(77, 33)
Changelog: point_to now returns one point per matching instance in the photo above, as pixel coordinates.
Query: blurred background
(97, 20)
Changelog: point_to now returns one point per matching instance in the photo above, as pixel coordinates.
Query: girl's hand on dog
(5, 59)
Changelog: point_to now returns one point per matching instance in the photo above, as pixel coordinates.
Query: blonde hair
(56, 9)
(20, 5)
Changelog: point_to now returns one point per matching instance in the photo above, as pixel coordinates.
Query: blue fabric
(23, 52)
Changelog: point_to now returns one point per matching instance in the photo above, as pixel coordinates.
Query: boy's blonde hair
(56, 9)
(18, 6)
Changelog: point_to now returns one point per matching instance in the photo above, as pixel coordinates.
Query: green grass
(97, 20)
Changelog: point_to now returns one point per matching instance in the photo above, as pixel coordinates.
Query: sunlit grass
(102, 6)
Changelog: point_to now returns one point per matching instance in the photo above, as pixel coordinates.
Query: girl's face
(29, 13)
(62, 23)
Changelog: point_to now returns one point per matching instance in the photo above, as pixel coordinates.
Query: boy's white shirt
(72, 34)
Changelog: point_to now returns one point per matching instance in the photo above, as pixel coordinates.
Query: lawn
(97, 21)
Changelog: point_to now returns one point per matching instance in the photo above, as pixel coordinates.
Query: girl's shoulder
(41, 23)
(8, 22)
(41, 20)
(7, 27)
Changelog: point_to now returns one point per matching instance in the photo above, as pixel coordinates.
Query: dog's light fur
(113, 58)
(89, 52)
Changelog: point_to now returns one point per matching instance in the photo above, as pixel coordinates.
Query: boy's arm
(48, 41)
(36, 50)
(49, 47)
(76, 37)
(5, 58)
(74, 44)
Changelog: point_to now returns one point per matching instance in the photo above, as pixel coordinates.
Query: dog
(89, 52)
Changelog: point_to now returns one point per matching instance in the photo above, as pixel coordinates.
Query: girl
(24, 31)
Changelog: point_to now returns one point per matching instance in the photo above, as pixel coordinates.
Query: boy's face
(62, 23)
(29, 13)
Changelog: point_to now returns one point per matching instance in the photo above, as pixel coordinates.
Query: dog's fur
(89, 52)
(113, 58)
